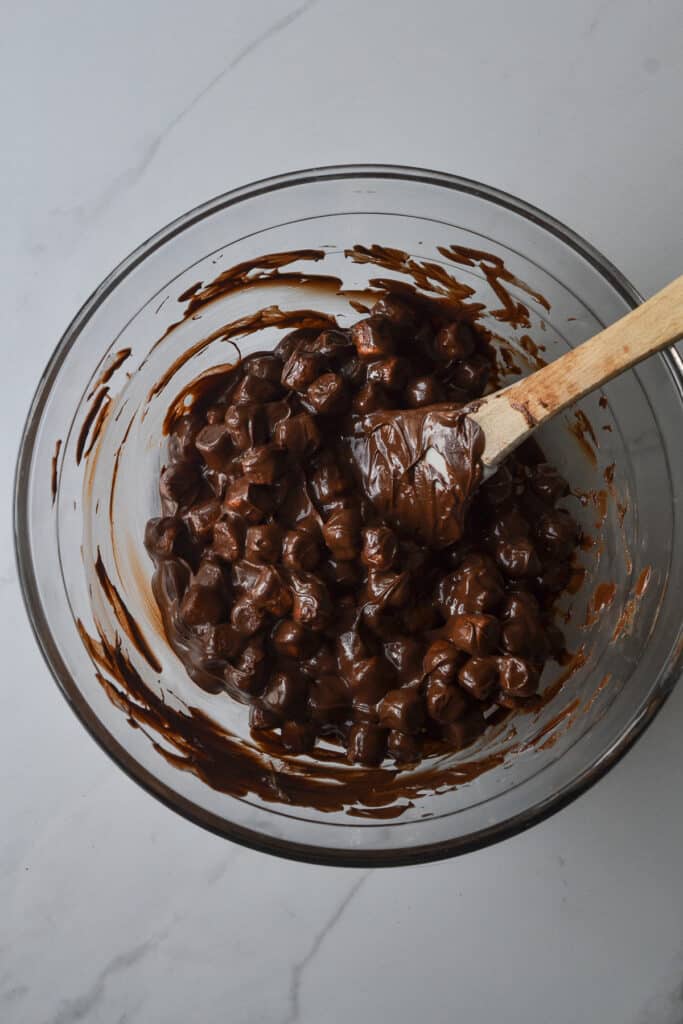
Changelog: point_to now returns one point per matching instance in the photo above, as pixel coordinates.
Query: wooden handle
(510, 415)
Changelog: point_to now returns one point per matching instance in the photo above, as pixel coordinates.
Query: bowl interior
(123, 362)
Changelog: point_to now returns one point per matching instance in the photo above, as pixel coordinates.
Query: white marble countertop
(115, 119)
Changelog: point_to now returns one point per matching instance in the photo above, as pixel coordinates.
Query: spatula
(509, 416)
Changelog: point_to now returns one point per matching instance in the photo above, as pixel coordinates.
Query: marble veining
(300, 967)
(81, 1007)
(128, 177)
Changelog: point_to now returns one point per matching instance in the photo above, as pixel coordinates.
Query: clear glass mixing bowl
(628, 653)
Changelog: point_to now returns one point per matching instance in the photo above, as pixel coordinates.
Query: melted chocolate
(347, 635)
(322, 530)
(420, 468)
(231, 765)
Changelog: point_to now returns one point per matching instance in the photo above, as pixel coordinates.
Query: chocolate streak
(125, 619)
(99, 404)
(53, 469)
(116, 361)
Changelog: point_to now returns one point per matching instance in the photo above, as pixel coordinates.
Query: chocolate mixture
(338, 567)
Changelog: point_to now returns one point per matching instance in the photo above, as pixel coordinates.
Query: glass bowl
(98, 413)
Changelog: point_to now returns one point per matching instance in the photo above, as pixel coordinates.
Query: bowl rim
(49, 647)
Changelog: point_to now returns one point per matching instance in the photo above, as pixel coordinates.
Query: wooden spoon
(509, 416)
